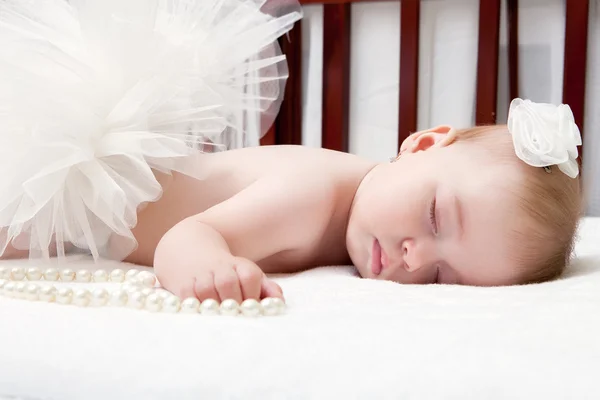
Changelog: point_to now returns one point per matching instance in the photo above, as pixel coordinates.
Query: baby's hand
(238, 279)
(192, 260)
(234, 278)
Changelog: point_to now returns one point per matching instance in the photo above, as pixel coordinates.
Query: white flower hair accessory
(545, 135)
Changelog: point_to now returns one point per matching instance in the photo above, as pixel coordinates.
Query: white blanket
(342, 338)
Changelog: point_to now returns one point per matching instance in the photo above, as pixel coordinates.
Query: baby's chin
(360, 269)
(359, 264)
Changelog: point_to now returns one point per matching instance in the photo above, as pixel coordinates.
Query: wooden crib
(336, 68)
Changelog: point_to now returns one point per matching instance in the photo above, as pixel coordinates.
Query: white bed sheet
(342, 338)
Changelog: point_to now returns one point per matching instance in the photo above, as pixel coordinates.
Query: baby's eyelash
(432, 216)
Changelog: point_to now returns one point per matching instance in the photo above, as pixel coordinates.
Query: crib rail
(576, 45)
(487, 61)
(409, 67)
(336, 76)
(336, 69)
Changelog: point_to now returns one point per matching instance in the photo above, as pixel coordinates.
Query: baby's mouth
(376, 258)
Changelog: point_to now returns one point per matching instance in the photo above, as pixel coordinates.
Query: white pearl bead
(118, 298)
(81, 297)
(4, 273)
(250, 308)
(13, 288)
(163, 294)
(51, 274)
(130, 288)
(229, 307)
(270, 306)
(131, 274)
(34, 274)
(100, 276)
(209, 307)
(19, 291)
(99, 298)
(190, 305)
(83, 275)
(64, 296)
(146, 279)
(2, 283)
(9, 289)
(117, 275)
(31, 292)
(17, 274)
(136, 300)
(153, 303)
(134, 282)
(280, 305)
(147, 292)
(47, 293)
(171, 304)
(67, 275)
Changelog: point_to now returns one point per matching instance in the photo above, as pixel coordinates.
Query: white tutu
(95, 95)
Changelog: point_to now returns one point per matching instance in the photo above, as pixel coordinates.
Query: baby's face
(441, 215)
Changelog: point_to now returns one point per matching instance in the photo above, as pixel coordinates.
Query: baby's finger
(204, 287)
(228, 285)
(182, 290)
(250, 277)
(270, 289)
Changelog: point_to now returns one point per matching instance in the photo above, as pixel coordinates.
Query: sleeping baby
(485, 206)
(104, 151)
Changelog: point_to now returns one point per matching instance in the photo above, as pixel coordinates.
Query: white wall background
(448, 61)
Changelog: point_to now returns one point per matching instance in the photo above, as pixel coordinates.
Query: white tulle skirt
(98, 95)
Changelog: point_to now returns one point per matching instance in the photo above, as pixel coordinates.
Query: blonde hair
(551, 204)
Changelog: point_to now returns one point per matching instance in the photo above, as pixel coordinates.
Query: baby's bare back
(309, 171)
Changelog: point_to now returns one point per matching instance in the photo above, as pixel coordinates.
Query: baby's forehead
(494, 149)
(488, 179)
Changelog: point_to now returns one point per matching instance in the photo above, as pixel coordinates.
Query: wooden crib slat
(336, 76)
(513, 47)
(409, 68)
(576, 40)
(269, 138)
(289, 123)
(487, 63)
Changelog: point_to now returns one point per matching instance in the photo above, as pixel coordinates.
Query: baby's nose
(415, 255)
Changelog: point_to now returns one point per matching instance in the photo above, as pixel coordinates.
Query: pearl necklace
(137, 291)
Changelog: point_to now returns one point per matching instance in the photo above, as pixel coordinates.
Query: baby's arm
(214, 254)
(194, 260)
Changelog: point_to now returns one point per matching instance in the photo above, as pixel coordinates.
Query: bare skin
(260, 210)
(442, 213)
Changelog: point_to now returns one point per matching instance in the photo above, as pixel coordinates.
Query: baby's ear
(439, 136)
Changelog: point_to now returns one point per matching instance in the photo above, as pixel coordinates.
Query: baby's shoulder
(308, 164)
(298, 175)
(318, 178)
(317, 168)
